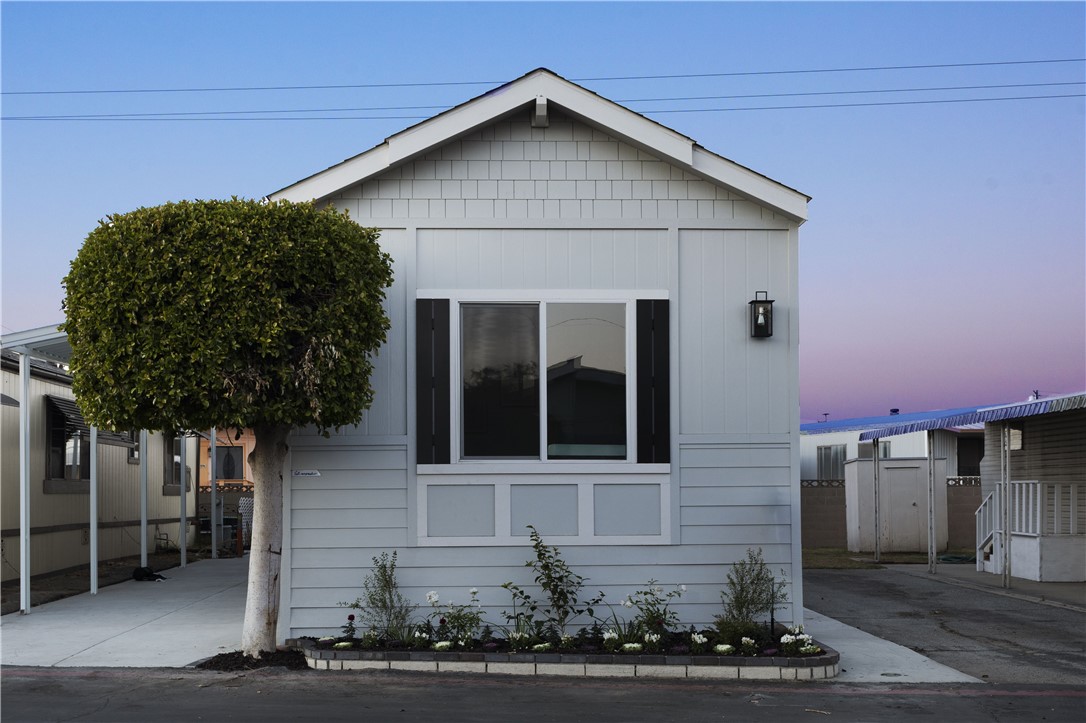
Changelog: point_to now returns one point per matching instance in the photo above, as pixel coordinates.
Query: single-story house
(1032, 521)
(837, 477)
(594, 332)
(58, 506)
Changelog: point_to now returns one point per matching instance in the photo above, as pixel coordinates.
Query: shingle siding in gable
(565, 171)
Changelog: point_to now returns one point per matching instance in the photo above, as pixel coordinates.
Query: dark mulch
(290, 659)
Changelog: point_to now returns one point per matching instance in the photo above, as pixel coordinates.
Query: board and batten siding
(561, 209)
(59, 521)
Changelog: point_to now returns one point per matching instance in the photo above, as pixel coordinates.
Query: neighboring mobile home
(60, 460)
(571, 348)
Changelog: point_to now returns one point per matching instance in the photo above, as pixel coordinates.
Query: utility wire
(576, 80)
(644, 112)
(177, 114)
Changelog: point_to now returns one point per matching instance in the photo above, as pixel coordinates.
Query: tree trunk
(265, 552)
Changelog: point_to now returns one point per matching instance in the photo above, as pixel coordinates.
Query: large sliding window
(542, 380)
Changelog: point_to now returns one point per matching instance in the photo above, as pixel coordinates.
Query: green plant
(383, 609)
(653, 612)
(752, 592)
(559, 583)
(456, 623)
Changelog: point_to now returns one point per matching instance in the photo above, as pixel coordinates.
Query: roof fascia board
(760, 189)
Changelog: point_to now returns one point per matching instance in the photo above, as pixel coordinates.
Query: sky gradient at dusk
(943, 264)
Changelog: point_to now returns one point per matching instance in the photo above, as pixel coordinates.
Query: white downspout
(878, 523)
(931, 502)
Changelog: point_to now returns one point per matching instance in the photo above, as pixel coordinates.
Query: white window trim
(503, 484)
(502, 474)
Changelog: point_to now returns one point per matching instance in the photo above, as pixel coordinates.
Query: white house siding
(566, 208)
(1053, 450)
(59, 521)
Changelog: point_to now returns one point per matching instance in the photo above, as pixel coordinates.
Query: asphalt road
(123, 695)
(993, 637)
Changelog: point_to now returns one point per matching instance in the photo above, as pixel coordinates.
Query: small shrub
(382, 608)
(561, 586)
(752, 593)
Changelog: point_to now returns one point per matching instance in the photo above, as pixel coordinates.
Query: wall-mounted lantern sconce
(761, 315)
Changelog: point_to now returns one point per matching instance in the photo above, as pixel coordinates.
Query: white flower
(723, 649)
(747, 641)
(432, 597)
(627, 603)
(442, 645)
(698, 639)
(632, 648)
(473, 591)
(541, 647)
(326, 639)
(422, 634)
(810, 649)
(517, 636)
(652, 637)
(610, 635)
(682, 588)
(786, 639)
(342, 645)
(804, 638)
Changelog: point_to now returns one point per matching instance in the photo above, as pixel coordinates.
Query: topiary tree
(233, 313)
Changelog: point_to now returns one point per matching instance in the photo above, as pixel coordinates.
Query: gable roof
(542, 85)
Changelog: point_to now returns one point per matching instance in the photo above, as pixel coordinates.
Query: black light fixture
(761, 315)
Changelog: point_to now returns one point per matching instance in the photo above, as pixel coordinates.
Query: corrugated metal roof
(858, 424)
(983, 414)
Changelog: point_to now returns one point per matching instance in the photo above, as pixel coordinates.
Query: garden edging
(729, 667)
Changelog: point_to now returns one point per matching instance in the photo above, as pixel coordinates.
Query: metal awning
(74, 422)
(981, 415)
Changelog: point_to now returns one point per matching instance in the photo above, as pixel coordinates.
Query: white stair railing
(987, 518)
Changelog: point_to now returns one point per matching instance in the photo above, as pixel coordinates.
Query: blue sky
(944, 260)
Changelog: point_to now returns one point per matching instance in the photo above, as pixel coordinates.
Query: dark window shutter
(653, 378)
(432, 376)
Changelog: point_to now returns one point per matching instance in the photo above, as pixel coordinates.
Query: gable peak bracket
(539, 113)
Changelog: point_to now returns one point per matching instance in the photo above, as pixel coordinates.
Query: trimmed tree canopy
(230, 313)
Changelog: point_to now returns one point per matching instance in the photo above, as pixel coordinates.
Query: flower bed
(822, 665)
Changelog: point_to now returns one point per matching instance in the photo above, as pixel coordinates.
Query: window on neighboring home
(67, 440)
(229, 463)
(68, 447)
(864, 451)
(831, 462)
(543, 380)
(134, 447)
(171, 465)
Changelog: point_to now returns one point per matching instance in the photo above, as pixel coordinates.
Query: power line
(435, 84)
(645, 112)
(178, 114)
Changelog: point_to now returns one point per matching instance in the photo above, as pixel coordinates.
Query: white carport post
(24, 482)
(1005, 499)
(212, 473)
(143, 497)
(931, 502)
(93, 512)
(878, 523)
(183, 527)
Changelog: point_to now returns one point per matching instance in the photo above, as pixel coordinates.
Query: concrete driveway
(194, 614)
(1032, 633)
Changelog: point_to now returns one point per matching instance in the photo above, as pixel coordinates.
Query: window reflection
(586, 381)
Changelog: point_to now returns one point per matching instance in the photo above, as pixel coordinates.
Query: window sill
(66, 486)
(505, 467)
